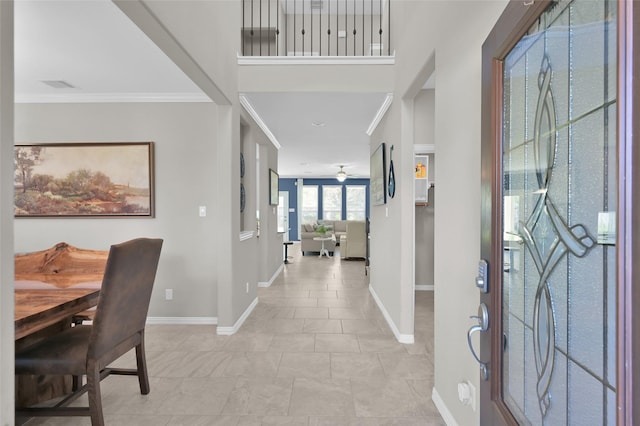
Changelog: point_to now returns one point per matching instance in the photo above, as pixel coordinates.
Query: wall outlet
(247, 287)
(202, 211)
(168, 294)
(467, 394)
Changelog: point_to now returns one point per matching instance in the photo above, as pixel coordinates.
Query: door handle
(483, 325)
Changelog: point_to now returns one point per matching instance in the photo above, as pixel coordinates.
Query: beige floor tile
(380, 344)
(251, 364)
(273, 421)
(190, 420)
(315, 397)
(316, 313)
(337, 343)
(361, 326)
(345, 313)
(348, 365)
(303, 342)
(322, 326)
(205, 396)
(407, 366)
(386, 397)
(260, 396)
(307, 365)
(315, 351)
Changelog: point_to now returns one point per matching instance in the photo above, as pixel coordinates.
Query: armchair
(87, 350)
(354, 243)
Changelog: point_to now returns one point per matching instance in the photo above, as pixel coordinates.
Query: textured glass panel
(559, 162)
(587, 57)
(611, 407)
(515, 356)
(585, 398)
(558, 410)
(586, 312)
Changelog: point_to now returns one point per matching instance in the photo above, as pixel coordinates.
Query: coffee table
(323, 239)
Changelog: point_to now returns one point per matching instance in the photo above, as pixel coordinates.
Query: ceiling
(93, 47)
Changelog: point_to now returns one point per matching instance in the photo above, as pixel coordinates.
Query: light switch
(202, 210)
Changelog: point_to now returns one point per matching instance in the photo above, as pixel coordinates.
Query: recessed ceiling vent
(58, 84)
(316, 4)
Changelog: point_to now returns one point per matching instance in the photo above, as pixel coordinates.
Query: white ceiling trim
(381, 112)
(256, 117)
(110, 98)
(316, 60)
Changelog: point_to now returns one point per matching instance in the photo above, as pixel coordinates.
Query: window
(309, 203)
(356, 202)
(332, 202)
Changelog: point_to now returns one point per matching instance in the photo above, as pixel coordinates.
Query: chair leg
(141, 361)
(94, 395)
(76, 382)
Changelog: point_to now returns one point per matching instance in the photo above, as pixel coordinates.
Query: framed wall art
(378, 174)
(84, 180)
(274, 187)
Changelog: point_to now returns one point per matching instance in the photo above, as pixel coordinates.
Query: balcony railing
(316, 28)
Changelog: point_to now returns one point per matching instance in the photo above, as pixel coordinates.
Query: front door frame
(516, 19)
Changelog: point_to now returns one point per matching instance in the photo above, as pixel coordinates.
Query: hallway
(315, 351)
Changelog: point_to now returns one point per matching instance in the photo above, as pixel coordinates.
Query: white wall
(185, 157)
(6, 215)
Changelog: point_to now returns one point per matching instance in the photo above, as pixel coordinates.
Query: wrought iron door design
(559, 184)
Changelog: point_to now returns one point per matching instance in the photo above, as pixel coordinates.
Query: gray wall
(185, 178)
(424, 134)
(7, 363)
(447, 35)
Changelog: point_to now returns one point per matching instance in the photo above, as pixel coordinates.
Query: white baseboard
(442, 408)
(424, 287)
(273, 277)
(402, 338)
(183, 320)
(228, 331)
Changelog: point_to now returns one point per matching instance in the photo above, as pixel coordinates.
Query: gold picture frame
(84, 180)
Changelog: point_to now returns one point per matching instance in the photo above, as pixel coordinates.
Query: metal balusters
(304, 23)
(388, 28)
(329, 28)
(354, 28)
(380, 30)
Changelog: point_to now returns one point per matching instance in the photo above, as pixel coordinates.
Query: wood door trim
(628, 238)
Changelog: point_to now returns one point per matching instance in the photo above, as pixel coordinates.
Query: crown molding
(109, 98)
(244, 101)
(381, 112)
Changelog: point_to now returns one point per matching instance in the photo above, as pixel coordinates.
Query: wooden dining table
(37, 309)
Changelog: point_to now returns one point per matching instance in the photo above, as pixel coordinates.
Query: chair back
(125, 294)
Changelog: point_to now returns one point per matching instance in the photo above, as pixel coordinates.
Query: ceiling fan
(341, 176)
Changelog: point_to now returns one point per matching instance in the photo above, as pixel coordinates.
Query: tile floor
(315, 351)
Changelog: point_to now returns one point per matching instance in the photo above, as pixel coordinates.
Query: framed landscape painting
(84, 180)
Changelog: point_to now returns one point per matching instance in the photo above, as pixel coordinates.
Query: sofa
(337, 228)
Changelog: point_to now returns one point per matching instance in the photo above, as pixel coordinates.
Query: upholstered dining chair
(118, 326)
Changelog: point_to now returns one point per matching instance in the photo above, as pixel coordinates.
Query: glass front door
(559, 188)
(559, 209)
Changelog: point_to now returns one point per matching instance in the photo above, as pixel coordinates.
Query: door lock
(482, 279)
(483, 325)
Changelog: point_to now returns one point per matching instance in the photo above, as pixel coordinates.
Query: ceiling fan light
(341, 175)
